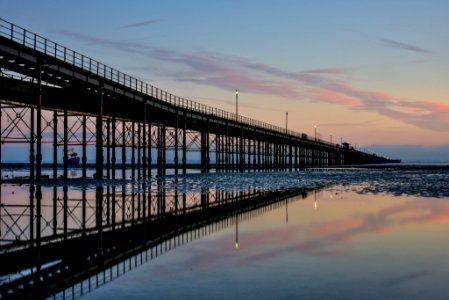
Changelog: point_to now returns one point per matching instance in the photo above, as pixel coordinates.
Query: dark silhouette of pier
(55, 97)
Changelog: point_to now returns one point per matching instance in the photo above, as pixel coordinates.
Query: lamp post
(315, 131)
(237, 103)
(331, 138)
(286, 122)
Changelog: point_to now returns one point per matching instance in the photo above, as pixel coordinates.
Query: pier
(54, 99)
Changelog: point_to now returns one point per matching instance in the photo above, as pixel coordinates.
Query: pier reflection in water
(66, 240)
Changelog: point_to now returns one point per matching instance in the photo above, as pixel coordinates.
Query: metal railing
(36, 42)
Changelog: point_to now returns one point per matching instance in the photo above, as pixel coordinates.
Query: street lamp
(286, 122)
(331, 138)
(237, 103)
(315, 131)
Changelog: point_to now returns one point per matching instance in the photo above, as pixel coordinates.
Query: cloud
(141, 24)
(403, 46)
(317, 85)
(348, 124)
(406, 277)
(128, 47)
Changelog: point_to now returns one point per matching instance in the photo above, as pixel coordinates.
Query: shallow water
(339, 245)
(361, 234)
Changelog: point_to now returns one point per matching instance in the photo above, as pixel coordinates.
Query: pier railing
(43, 45)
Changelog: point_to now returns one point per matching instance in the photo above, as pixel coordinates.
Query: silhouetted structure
(53, 95)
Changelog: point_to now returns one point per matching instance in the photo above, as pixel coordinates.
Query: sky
(371, 73)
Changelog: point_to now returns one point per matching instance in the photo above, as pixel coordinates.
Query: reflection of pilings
(31, 221)
(160, 198)
(82, 257)
(38, 224)
(65, 210)
(55, 211)
(84, 216)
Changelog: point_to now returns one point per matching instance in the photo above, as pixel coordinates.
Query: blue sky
(370, 72)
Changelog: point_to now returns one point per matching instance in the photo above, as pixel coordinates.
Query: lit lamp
(237, 102)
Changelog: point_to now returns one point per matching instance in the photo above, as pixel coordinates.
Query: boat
(73, 159)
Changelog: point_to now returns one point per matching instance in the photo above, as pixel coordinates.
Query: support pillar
(144, 143)
(114, 145)
(123, 149)
(150, 147)
(139, 149)
(99, 138)
(32, 158)
(65, 144)
(108, 148)
(133, 146)
(161, 150)
(84, 154)
(39, 125)
(241, 150)
(184, 147)
(205, 151)
(176, 144)
(55, 145)
(290, 161)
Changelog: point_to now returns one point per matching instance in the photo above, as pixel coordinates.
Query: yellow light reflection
(236, 245)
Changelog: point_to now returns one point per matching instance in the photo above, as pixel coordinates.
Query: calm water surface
(348, 234)
(338, 243)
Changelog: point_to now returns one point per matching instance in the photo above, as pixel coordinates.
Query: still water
(341, 245)
(336, 234)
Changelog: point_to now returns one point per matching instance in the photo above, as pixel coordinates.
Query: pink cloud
(330, 96)
(315, 85)
(322, 85)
